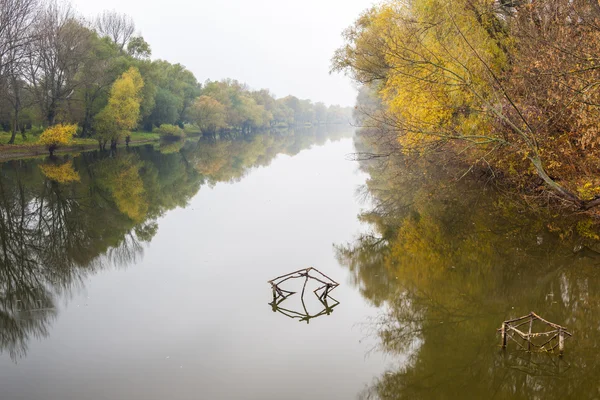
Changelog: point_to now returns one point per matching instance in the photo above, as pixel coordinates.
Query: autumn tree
(209, 114)
(122, 112)
(57, 135)
(452, 72)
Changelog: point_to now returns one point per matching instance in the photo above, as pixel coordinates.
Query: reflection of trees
(449, 263)
(61, 220)
(230, 159)
(52, 235)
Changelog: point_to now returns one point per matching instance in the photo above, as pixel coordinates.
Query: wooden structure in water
(322, 292)
(534, 340)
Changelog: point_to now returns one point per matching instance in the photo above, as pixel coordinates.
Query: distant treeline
(58, 68)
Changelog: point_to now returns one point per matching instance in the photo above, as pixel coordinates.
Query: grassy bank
(30, 146)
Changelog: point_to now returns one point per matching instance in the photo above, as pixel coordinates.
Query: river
(142, 274)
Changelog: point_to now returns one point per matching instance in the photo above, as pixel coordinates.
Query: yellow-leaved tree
(58, 135)
(445, 72)
(122, 112)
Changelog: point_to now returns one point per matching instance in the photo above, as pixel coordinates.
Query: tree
(16, 33)
(209, 114)
(117, 27)
(16, 19)
(176, 90)
(138, 48)
(439, 261)
(320, 113)
(444, 71)
(99, 71)
(57, 135)
(61, 45)
(122, 112)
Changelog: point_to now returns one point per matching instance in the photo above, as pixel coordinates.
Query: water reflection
(302, 314)
(322, 293)
(447, 262)
(64, 219)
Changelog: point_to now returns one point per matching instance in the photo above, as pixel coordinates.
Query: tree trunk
(14, 128)
(87, 123)
(17, 107)
(51, 114)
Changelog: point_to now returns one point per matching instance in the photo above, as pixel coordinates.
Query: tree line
(511, 86)
(58, 68)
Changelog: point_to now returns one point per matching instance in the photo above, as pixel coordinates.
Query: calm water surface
(184, 315)
(143, 275)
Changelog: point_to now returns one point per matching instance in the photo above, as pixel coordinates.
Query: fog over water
(280, 45)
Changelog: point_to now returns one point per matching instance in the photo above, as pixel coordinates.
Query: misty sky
(282, 45)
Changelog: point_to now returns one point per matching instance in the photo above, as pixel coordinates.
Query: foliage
(138, 48)
(170, 132)
(58, 135)
(122, 112)
(209, 114)
(509, 84)
(58, 67)
(248, 110)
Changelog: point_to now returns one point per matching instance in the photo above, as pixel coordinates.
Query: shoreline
(15, 152)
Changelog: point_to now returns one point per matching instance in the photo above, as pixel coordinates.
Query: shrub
(58, 135)
(171, 132)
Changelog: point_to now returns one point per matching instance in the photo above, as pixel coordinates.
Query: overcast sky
(282, 45)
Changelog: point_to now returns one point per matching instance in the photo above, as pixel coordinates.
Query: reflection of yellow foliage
(58, 134)
(586, 229)
(122, 179)
(129, 193)
(63, 173)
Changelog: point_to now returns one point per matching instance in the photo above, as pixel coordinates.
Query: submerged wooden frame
(560, 333)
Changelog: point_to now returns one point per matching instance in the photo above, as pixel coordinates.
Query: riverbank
(31, 148)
